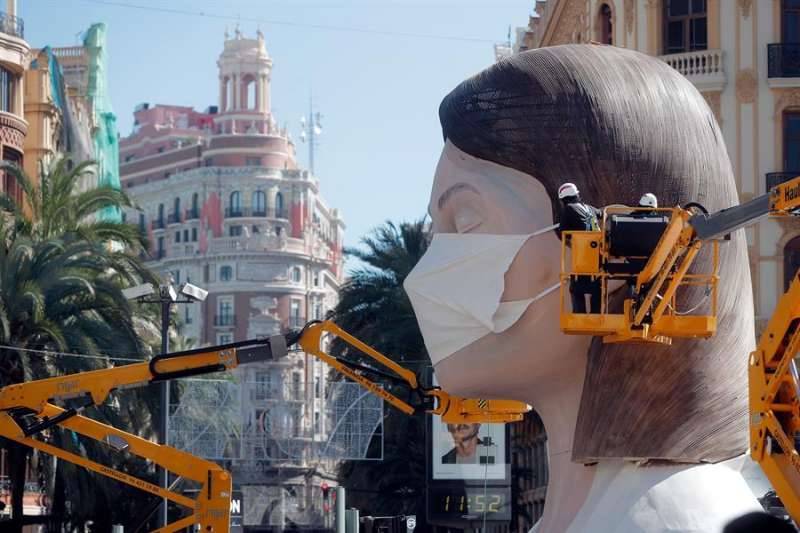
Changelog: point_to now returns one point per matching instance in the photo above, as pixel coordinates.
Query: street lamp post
(166, 296)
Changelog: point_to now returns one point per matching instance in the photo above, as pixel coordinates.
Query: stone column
(235, 91)
(265, 84)
(19, 96)
(713, 23)
(223, 94)
(654, 23)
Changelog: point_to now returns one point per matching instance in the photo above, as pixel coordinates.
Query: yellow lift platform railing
(652, 250)
(618, 253)
(28, 410)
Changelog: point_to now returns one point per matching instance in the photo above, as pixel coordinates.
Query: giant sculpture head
(618, 124)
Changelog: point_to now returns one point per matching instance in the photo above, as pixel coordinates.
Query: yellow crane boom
(28, 409)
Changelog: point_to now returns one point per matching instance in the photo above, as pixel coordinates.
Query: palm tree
(62, 271)
(374, 307)
(59, 297)
(57, 206)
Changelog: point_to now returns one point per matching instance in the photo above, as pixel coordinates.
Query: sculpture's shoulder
(626, 498)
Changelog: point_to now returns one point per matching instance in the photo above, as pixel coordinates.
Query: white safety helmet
(566, 190)
(648, 200)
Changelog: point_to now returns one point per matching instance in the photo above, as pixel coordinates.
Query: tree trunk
(58, 505)
(17, 455)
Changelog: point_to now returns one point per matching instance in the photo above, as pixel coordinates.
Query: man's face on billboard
(465, 437)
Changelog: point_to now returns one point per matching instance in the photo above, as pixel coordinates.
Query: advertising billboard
(468, 451)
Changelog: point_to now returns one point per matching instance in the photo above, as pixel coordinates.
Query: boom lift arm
(28, 409)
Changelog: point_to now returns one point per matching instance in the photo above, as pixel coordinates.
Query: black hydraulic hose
(208, 369)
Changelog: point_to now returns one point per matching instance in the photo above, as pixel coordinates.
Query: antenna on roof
(311, 130)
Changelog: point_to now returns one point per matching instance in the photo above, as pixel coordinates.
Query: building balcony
(776, 178)
(14, 130)
(183, 250)
(265, 394)
(704, 68)
(296, 322)
(238, 212)
(159, 223)
(259, 242)
(287, 392)
(159, 254)
(70, 51)
(12, 25)
(174, 218)
(192, 214)
(224, 320)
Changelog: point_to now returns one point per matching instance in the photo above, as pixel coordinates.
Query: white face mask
(456, 287)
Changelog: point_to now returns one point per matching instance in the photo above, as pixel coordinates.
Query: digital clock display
(469, 503)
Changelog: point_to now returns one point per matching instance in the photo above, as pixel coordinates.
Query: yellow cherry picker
(28, 410)
(652, 251)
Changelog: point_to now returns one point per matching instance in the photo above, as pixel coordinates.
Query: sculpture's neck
(601, 497)
(568, 482)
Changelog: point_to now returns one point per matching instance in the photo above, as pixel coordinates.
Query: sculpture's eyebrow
(458, 187)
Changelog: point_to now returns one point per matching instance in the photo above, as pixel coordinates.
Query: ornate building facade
(226, 207)
(744, 57)
(37, 122)
(14, 58)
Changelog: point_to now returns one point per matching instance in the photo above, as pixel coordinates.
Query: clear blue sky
(378, 94)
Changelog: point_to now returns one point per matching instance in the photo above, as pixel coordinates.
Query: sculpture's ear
(686, 402)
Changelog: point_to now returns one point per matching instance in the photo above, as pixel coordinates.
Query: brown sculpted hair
(619, 123)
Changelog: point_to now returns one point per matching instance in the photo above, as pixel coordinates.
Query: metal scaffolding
(227, 419)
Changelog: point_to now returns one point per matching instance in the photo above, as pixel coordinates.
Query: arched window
(226, 273)
(259, 203)
(297, 275)
(249, 92)
(606, 31)
(195, 207)
(235, 205)
(177, 209)
(279, 205)
(8, 84)
(160, 215)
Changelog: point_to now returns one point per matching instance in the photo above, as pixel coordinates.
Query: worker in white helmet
(648, 200)
(579, 216)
